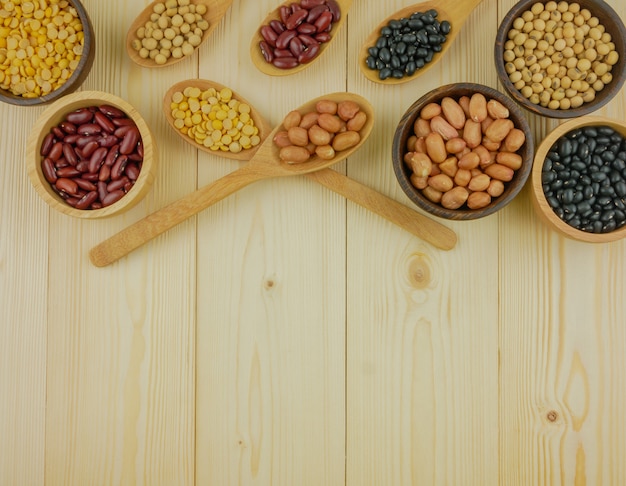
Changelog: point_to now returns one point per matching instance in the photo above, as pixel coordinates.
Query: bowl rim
(51, 116)
(608, 92)
(77, 77)
(405, 125)
(540, 203)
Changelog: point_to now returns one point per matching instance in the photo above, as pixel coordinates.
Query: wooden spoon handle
(415, 223)
(132, 237)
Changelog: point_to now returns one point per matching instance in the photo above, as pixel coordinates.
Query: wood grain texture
(289, 336)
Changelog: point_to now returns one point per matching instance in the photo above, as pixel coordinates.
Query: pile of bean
(464, 151)
(407, 44)
(214, 119)
(174, 30)
(40, 46)
(93, 157)
(584, 179)
(296, 38)
(559, 55)
(332, 127)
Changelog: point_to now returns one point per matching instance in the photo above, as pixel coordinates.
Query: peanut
(496, 188)
(462, 177)
(514, 140)
(419, 182)
(479, 182)
(430, 110)
(298, 136)
(441, 182)
(357, 121)
(478, 200)
(500, 172)
(449, 166)
(464, 102)
(455, 145)
(469, 161)
(454, 198)
(345, 140)
(347, 109)
(453, 112)
(497, 110)
(325, 152)
(511, 160)
(326, 106)
(433, 194)
(318, 135)
(330, 123)
(435, 147)
(292, 119)
(420, 164)
(499, 129)
(472, 133)
(293, 154)
(282, 139)
(442, 127)
(478, 107)
(421, 127)
(309, 119)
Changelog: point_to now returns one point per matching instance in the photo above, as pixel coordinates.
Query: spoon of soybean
(215, 10)
(455, 12)
(264, 164)
(408, 219)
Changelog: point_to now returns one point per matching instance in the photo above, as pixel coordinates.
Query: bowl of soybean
(579, 179)
(561, 59)
(54, 69)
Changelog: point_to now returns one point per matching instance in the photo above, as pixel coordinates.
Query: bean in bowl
(584, 178)
(93, 157)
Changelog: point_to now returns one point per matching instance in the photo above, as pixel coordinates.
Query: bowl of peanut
(48, 50)
(91, 155)
(462, 151)
(561, 59)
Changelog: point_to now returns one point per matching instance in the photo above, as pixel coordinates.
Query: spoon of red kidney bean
(295, 34)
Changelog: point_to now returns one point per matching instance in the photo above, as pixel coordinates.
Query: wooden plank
(271, 296)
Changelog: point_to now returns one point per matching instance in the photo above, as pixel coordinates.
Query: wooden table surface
(287, 336)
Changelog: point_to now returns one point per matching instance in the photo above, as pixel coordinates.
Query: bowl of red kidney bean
(579, 179)
(91, 155)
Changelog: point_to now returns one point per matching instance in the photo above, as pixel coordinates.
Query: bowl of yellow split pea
(561, 59)
(46, 50)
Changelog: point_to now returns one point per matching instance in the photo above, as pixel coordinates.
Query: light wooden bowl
(51, 117)
(542, 208)
(614, 26)
(77, 77)
(405, 130)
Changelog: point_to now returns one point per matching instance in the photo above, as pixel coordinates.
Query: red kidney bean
(105, 122)
(97, 158)
(111, 111)
(89, 148)
(118, 168)
(68, 171)
(296, 19)
(295, 7)
(80, 116)
(47, 167)
(46, 145)
(266, 51)
(335, 9)
(277, 26)
(87, 200)
(285, 62)
(315, 12)
(309, 53)
(68, 127)
(323, 21)
(306, 28)
(283, 53)
(322, 37)
(284, 13)
(296, 46)
(307, 40)
(129, 142)
(269, 35)
(95, 148)
(89, 129)
(84, 184)
(112, 197)
(309, 4)
(282, 42)
(118, 184)
(69, 154)
(68, 186)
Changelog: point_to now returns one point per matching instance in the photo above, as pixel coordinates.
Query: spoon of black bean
(412, 40)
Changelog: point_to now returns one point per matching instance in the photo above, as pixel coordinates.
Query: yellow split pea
(41, 43)
(214, 119)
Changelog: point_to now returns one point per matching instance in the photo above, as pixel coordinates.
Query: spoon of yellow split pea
(268, 68)
(264, 164)
(454, 11)
(177, 26)
(408, 219)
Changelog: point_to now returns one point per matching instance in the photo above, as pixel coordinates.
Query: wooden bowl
(51, 117)
(77, 77)
(613, 25)
(405, 130)
(543, 209)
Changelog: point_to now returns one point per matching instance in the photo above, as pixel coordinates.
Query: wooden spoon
(216, 9)
(263, 165)
(454, 11)
(265, 67)
(408, 219)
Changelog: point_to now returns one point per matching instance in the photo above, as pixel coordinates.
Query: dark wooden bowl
(77, 77)
(613, 25)
(540, 203)
(405, 130)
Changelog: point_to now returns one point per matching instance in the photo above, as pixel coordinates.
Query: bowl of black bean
(561, 59)
(579, 179)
